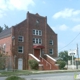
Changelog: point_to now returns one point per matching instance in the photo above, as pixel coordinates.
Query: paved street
(52, 76)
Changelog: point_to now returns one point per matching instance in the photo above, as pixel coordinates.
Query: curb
(54, 71)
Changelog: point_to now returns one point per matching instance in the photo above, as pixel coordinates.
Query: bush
(33, 64)
(61, 64)
(14, 78)
(2, 61)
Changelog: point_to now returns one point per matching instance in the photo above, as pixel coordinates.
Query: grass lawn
(27, 72)
(9, 73)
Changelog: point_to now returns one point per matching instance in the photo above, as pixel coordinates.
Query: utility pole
(78, 56)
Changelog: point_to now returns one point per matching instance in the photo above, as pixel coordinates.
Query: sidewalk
(56, 71)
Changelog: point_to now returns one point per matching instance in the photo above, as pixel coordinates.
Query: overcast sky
(63, 16)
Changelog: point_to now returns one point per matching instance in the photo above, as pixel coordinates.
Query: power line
(70, 42)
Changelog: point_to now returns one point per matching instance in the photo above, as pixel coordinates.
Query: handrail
(34, 57)
(46, 62)
(51, 57)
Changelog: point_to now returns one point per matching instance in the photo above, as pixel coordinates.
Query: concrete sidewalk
(56, 71)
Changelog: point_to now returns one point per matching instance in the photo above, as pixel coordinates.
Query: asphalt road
(51, 76)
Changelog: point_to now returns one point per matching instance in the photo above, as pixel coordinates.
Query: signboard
(72, 52)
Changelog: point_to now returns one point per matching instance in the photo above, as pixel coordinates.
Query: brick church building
(31, 39)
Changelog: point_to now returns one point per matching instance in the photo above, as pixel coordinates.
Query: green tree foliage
(64, 56)
(1, 29)
(33, 64)
(2, 61)
(61, 64)
(5, 27)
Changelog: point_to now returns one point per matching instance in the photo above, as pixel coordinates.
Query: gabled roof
(5, 33)
(20, 23)
(51, 28)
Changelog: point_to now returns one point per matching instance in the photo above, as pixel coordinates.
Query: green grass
(14, 78)
(27, 72)
(9, 73)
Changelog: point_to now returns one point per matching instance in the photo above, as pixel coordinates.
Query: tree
(64, 56)
(1, 29)
(6, 27)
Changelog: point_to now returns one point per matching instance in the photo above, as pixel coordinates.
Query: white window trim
(51, 42)
(33, 32)
(52, 52)
(21, 49)
(39, 40)
(37, 32)
(21, 38)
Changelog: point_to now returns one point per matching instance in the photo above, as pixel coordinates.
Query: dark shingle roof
(5, 33)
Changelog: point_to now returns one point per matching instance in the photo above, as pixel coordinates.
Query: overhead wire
(70, 42)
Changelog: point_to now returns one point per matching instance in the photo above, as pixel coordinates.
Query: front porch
(45, 64)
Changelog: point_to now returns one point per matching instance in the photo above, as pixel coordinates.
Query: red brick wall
(32, 25)
(25, 29)
(7, 41)
(52, 63)
(52, 36)
(47, 33)
(20, 29)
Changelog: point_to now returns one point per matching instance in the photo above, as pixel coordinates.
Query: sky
(63, 16)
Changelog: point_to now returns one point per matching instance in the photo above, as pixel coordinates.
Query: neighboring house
(31, 39)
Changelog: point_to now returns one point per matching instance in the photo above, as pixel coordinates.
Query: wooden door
(37, 53)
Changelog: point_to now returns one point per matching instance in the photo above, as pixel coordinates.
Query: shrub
(33, 64)
(2, 61)
(14, 78)
(61, 64)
